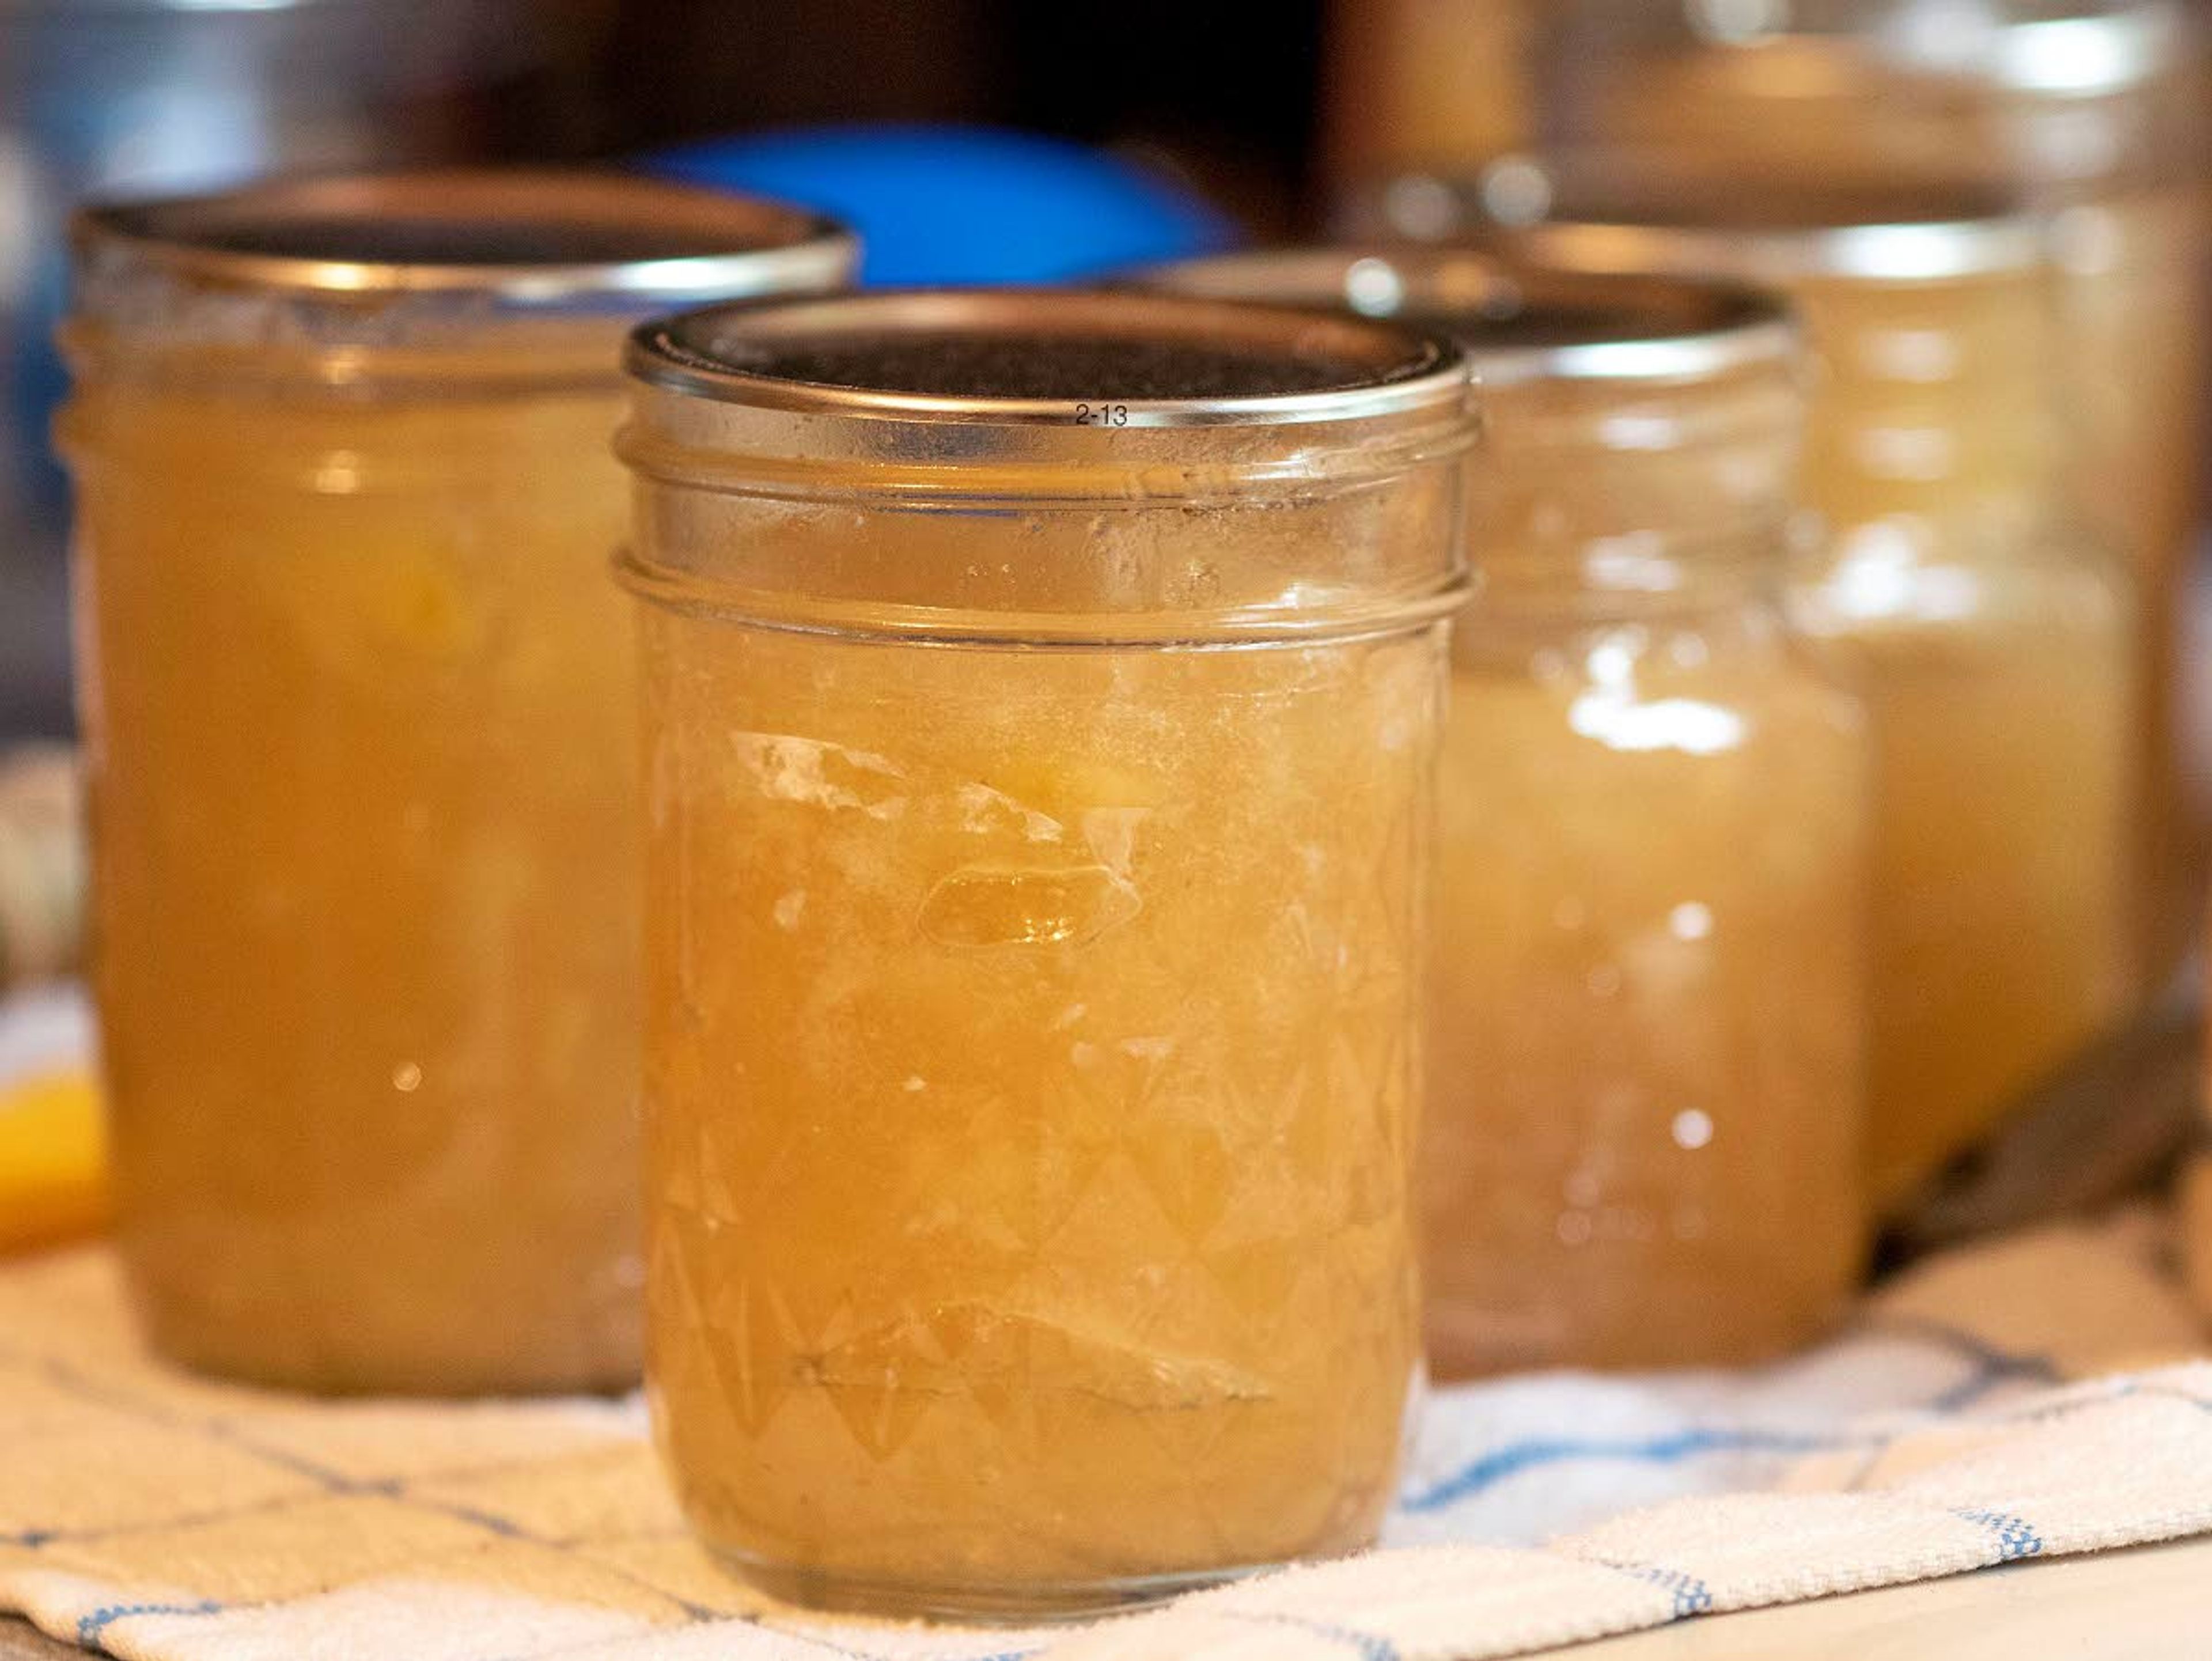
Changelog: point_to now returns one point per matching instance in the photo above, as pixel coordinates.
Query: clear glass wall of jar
(2099, 111)
(359, 697)
(1645, 1110)
(1041, 696)
(1987, 628)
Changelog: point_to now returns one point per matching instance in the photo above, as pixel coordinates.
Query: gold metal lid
(525, 240)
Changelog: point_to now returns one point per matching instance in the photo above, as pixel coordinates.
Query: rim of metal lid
(1608, 326)
(1589, 216)
(1397, 369)
(352, 232)
(161, 8)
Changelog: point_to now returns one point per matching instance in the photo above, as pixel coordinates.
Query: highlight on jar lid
(1518, 321)
(1115, 444)
(1611, 211)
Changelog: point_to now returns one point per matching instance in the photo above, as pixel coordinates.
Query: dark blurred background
(1225, 92)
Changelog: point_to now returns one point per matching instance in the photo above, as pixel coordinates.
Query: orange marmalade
(1041, 696)
(360, 703)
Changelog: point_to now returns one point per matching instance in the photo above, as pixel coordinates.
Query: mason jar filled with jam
(359, 699)
(1989, 628)
(1646, 1037)
(1042, 696)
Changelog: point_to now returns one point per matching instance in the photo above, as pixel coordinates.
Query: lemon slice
(53, 1159)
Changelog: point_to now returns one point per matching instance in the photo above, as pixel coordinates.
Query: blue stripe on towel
(1368, 1646)
(1990, 1366)
(1692, 1595)
(2016, 1537)
(89, 1628)
(1517, 1457)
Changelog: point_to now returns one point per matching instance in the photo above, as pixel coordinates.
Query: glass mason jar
(1644, 1117)
(2099, 111)
(1042, 692)
(360, 704)
(1987, 629)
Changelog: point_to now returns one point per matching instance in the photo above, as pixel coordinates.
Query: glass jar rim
(1518, 321)
(536, 241)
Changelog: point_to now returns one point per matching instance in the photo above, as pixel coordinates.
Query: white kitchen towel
(2028, 1399)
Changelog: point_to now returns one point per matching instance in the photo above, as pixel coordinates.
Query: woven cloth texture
(2037, 1397)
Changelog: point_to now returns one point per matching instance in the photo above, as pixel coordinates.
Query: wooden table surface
(2154, 1603)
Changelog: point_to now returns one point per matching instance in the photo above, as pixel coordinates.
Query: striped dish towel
(2028, 1399)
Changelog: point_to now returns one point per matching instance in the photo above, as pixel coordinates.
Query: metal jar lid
(1048, 359)
(1125, 394)
(1518, 321)
(533, 241)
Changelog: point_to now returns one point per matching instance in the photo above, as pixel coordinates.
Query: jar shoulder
(1745, 658)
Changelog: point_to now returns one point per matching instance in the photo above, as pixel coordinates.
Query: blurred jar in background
(2099, 110)
(358, 698)
(1988, 632)
(1041, 723)
(1645, 1112)
(100, 95)
(2193, 1194)
(1416, 84)
(42, 864)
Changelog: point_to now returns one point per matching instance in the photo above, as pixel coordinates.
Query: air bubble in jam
(981, 906)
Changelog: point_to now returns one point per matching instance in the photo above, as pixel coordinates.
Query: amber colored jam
(2136, 269)
(1032, 1066)
(1992, 640)
(1645, 1110)
(360, 711)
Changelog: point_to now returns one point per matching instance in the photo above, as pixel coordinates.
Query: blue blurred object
(942, 204)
